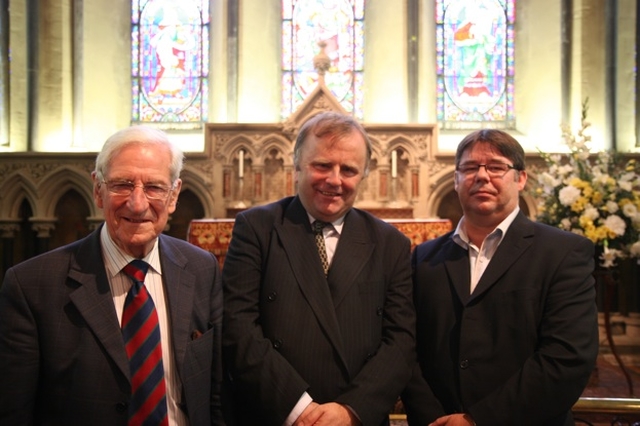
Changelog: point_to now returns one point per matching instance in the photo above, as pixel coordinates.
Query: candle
(241, 163)
(394, 163)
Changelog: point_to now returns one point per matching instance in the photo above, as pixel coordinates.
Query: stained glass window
(170, 62)
(338, 25)
(475, 63)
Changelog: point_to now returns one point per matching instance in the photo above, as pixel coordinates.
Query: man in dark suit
(303, 347)
(62, 352)
(506, 328)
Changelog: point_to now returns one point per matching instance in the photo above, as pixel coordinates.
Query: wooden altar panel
(214, 235)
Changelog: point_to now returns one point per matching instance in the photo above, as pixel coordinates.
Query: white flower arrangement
(594, 196)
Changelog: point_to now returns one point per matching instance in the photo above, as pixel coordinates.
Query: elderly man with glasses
(122, 327)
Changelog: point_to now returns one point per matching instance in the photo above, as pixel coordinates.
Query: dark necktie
(141, 333)
(322, 249)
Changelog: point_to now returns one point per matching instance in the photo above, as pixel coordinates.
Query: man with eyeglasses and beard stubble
(506, 316)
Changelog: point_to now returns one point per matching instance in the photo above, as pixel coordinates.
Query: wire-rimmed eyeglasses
(124, 188)
(493, 169)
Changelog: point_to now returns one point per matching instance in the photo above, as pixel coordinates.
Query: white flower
(584, 155)
(568, 195)
(565, 169)
(629, 210)
(612, 206)
(548, 181)
(627, 177)
(609, 257)
(634, 250)
(565, 224)
(616, 224)
(625, 186)
(601, 179)
(591, 212)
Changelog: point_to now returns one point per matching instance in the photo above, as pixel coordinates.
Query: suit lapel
(94, 301)
(516, 241)
(297, 239)
(352, 254)
(179, 288)
(456, 261)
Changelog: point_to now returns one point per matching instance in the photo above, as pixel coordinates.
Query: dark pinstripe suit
(285, 332)
(62, 356)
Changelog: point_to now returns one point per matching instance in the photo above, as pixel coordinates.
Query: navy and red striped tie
(141, 333)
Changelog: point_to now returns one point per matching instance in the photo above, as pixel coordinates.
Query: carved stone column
(43, 228)
(8, 231)
(258, 182)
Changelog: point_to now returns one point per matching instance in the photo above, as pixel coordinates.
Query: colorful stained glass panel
(337, 26)
(475, 63)
(170, 62)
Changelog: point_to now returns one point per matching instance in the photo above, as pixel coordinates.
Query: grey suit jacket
(288, 329)
(521, 348)
(62, 356)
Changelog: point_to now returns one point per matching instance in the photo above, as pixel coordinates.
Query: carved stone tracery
(268, 171)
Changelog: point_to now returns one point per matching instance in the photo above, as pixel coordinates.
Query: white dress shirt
(115, 259)
(479, 257)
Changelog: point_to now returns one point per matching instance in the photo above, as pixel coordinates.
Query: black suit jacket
(521, 348)
(62, 356)
(288, 329)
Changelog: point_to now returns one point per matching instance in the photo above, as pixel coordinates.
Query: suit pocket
(199, 353)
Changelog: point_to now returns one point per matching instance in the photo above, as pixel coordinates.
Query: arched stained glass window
(170, 62)
(339, 26)
(475, 63)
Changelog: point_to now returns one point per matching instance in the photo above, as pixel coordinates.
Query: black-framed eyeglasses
(492, 169)
(124, 188)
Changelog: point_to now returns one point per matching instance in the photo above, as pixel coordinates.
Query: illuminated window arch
(338, 23)
(170, 62)
(475, 63)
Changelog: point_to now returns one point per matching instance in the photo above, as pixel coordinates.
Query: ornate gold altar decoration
(211, 235)
(419, 231)
(214, 235)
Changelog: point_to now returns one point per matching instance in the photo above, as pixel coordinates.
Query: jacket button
(464, 363)
(272, 296)
(121, 407)
(379, 311)
(277, 343)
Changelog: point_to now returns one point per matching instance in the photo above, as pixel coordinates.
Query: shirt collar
(337, 224)
(460, 235)
(116, 259)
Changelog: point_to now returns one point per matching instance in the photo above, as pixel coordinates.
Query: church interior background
(233, 80)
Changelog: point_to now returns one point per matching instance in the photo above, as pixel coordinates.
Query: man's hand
(330, 414)
(454, 420)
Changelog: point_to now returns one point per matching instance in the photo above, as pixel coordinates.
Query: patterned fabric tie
(141, 333)
(322, 249)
